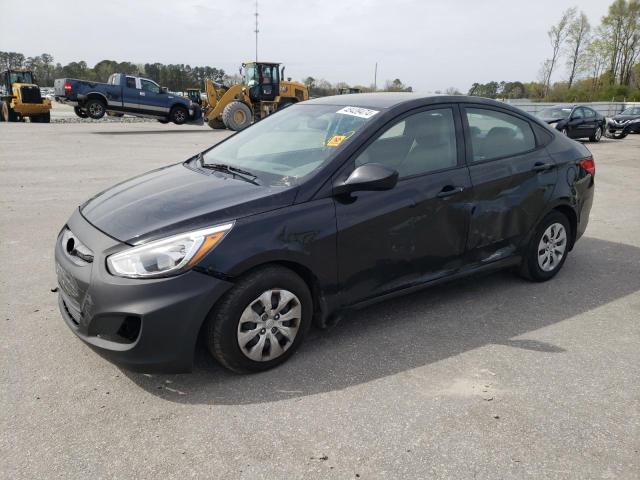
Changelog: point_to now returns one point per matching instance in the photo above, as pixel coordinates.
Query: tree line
(176, 77)
(600, 63)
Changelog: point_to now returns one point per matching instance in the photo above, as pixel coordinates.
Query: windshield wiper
(235, 171)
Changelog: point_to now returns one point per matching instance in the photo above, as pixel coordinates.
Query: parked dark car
(126, 94)
(326, 206)
(575, 121)
(624, 123)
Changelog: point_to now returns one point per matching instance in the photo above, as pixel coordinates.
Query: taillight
(67, 87)
(588, 165)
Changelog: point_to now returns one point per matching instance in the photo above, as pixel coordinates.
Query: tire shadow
(419, 329)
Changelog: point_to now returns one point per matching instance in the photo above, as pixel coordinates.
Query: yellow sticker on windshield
(336, 140)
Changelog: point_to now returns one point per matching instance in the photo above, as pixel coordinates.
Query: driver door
(417, 231)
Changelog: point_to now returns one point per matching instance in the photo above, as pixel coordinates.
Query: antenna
(256, 31)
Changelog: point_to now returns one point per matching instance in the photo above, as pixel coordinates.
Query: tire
(95, 108)
(533, 266)
(216, 124)
(596, 136)
(237, 116)
(163, 120)
(179, 115)
(80, 112)
(8, 114)
(245, 347)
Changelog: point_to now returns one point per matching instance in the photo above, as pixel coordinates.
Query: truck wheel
(216, 124)
(179, 115)
(8, 114)
(237, 116)
(80, 112)
(95, 108)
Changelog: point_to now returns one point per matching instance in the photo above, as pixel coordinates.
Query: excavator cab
(263, 80)
(193, 94)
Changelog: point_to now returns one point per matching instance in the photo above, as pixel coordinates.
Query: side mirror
(164, 90)
(368, 177)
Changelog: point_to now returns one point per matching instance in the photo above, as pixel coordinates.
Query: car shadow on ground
(419, 329)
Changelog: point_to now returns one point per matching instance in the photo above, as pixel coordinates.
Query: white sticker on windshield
(358, 112)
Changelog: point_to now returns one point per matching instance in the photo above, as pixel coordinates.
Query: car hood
(176, 199)
(552, 120)
(624, 118)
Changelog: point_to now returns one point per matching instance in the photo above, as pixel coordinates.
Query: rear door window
(131, 82)
(496, 134)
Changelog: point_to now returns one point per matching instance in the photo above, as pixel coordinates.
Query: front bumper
(144, 325)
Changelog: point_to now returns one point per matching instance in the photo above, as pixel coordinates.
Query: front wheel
(548, 248)
(237, 116)
(597, 135)
(261, 321)
(179, 115)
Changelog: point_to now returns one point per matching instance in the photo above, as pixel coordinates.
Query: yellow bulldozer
(261, 93)
(22, 98)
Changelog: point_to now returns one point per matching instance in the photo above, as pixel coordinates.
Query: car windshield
(631, 111)
(555, 112)
(291, 143)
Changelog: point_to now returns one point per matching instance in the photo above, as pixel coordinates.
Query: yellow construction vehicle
(261, 93)
(22, 98)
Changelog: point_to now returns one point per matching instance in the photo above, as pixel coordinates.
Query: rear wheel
(548, 248)
(80, 112)
(179, 115)
(597, 135)
(95, 108)
(237, 116)
(261, 321)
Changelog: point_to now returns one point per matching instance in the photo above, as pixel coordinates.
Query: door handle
(543, 167)
(450, 190)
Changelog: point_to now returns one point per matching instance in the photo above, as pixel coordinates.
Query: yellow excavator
(261, 93)
(22, 98)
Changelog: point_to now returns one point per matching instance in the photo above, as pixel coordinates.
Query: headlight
(635, 120)
(168, 256)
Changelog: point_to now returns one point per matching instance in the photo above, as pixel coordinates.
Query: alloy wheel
(269, 324)
(598, 134)
(552, 246)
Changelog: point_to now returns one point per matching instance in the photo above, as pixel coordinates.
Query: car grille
(30, 94)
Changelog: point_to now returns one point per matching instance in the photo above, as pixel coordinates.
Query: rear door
(388, 240)
(513, 178)
(590, 121)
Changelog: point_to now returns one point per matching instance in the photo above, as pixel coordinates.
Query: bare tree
(557, 36)
(577, 40)
(621, 31)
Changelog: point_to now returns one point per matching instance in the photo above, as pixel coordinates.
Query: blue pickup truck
(128, 94)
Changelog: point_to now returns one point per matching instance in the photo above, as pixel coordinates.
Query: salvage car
(323, 207)
(126, 94)
(624, 123)
(575, 121)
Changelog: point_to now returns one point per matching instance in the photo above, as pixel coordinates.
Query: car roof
(384, 100)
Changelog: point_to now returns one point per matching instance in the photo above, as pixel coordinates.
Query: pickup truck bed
(126, 94)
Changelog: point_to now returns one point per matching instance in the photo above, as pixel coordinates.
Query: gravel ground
(490, 377)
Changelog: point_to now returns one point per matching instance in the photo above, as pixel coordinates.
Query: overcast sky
(428, 44)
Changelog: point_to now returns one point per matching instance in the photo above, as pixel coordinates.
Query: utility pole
(256, 30)
(375, 78)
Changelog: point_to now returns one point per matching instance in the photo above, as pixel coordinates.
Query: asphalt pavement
(490, 377)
